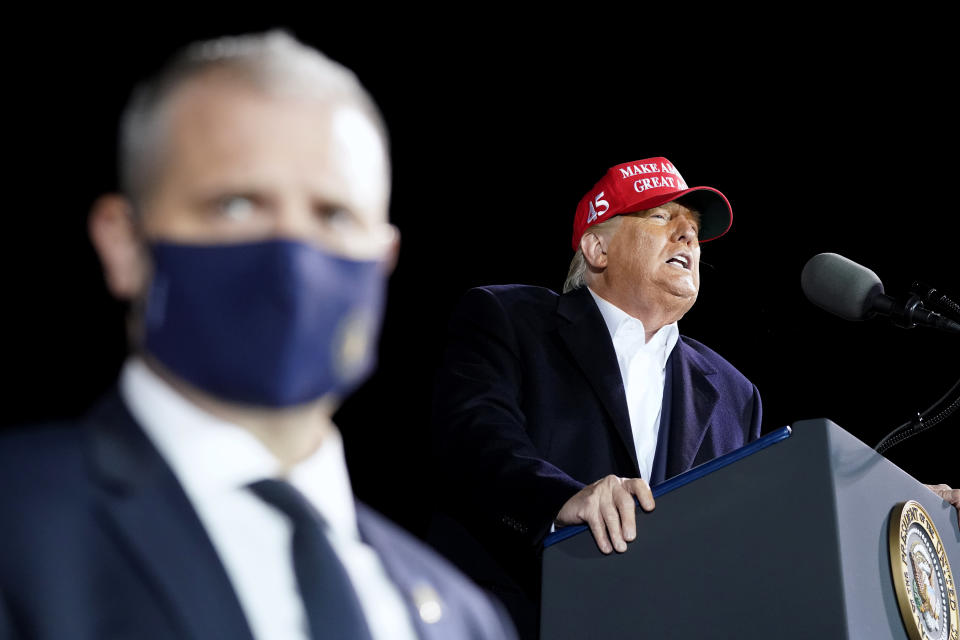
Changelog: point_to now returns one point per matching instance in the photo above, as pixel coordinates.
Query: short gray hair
(274, 62)
(576, 276)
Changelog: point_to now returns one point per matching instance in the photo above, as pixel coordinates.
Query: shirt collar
(662, 342)
(211, 457)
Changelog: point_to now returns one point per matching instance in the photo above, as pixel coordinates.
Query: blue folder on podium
(785, 538)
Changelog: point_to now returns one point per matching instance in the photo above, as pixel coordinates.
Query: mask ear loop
(136, 308)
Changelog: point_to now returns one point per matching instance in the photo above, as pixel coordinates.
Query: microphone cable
(922, 423)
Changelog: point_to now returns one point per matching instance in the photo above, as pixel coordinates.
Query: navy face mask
(275, 323)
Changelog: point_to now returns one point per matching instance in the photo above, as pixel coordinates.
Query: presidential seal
(922, 578)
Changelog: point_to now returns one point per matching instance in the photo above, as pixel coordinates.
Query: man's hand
(607, 506)
(950, 495)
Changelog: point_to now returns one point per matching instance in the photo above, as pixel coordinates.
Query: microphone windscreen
(839, 285)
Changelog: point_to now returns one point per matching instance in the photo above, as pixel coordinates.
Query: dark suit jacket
(98, 540)
(530, 407)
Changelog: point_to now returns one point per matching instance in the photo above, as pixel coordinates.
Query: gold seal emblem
(922, 579)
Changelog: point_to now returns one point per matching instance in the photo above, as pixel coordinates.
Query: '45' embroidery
(597, 208)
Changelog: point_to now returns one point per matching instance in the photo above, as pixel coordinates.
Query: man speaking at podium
(207, 496)
(559, 410)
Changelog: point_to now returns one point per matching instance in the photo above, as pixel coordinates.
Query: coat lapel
(660, 457)
(588, 339)
(693, 399)
(144, 505)
(416, 588)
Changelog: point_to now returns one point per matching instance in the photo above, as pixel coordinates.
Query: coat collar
(586, 336)
(693, 394)
(145, 507)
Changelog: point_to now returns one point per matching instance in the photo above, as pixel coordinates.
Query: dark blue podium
(788, 541)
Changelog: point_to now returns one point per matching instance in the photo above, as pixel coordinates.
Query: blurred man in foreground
(207, 496)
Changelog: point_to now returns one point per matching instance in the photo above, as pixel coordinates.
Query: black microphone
(851, 291)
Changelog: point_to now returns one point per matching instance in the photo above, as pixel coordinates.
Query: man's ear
(122, 253)
(393, 252)
(594, 249)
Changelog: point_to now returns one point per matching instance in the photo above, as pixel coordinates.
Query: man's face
(654, 258)
(239, 165)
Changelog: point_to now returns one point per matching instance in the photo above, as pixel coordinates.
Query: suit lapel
(415, 586)
(145, 507)
(693, 399)
(660, 457)
(588, 339)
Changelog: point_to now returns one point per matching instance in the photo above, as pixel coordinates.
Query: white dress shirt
(214, 462)
(642, 367)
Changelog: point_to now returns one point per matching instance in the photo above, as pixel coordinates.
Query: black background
(825, 136)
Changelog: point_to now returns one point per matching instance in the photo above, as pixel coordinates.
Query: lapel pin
(428, 603)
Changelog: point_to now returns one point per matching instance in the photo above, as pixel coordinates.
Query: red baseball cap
(644, 184)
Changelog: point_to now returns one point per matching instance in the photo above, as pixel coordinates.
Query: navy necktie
(333, 609)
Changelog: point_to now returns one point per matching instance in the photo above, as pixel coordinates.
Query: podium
(790, 541)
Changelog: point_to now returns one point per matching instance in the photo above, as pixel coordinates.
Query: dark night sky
(821, 143)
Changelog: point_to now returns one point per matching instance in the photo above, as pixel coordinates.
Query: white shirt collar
(618, 320)
(211, 457)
